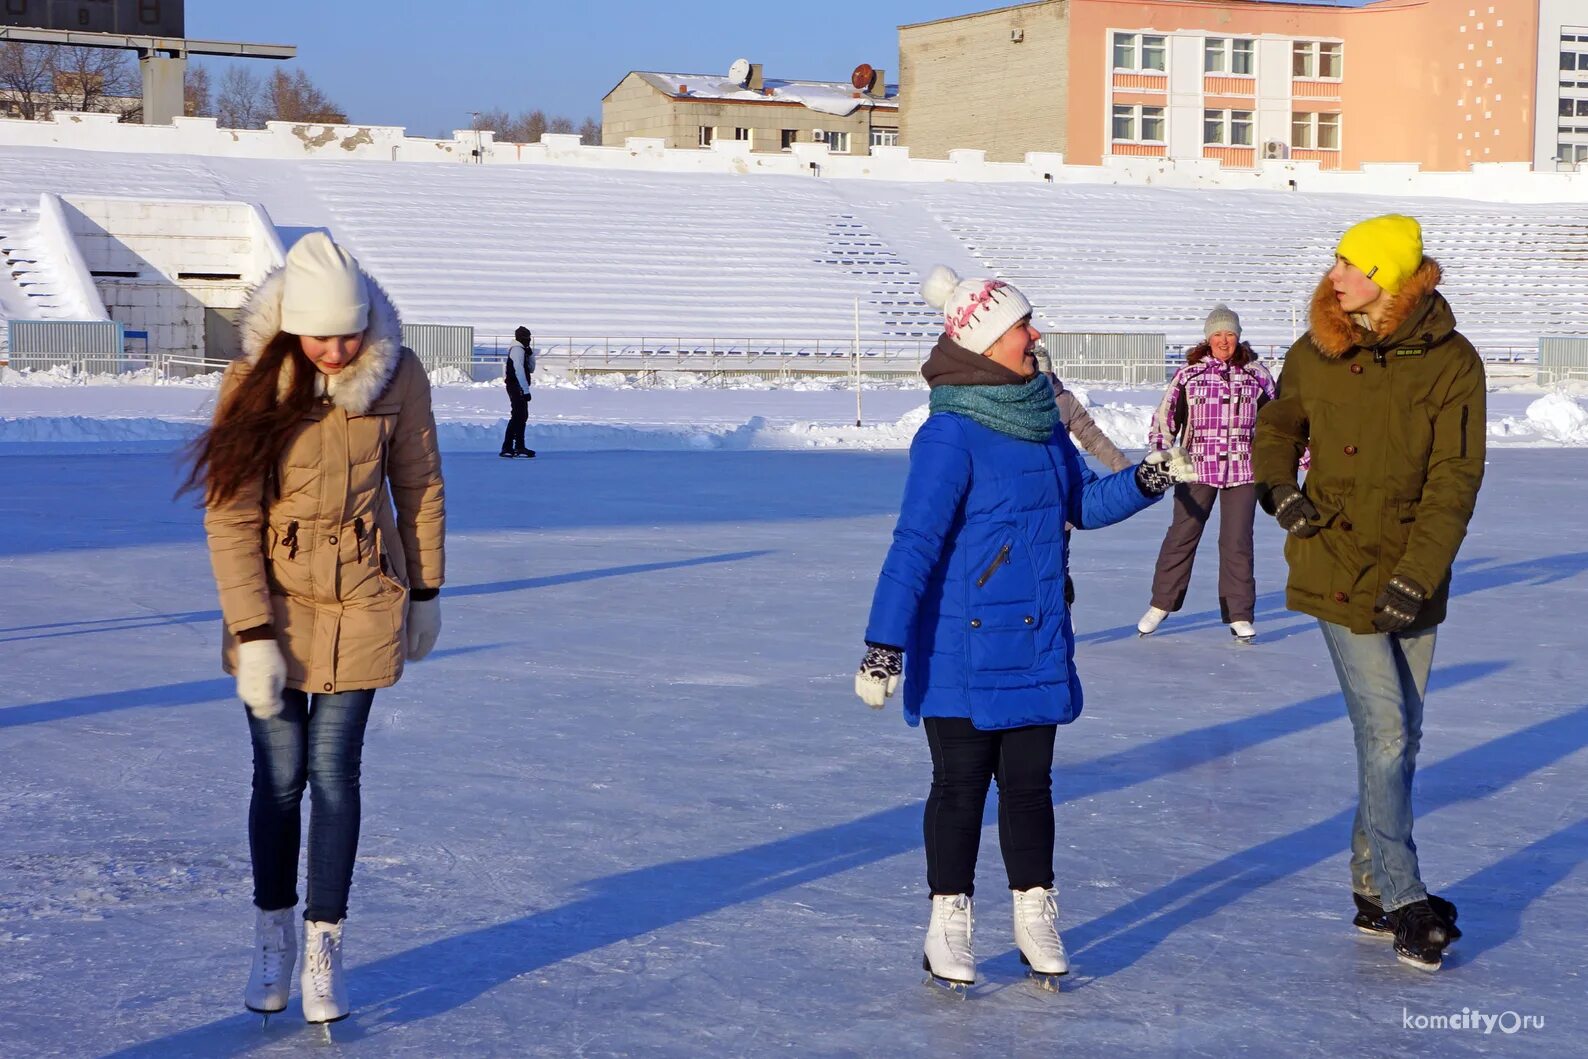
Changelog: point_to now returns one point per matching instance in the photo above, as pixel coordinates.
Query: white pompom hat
(323, 292)
(976, 312)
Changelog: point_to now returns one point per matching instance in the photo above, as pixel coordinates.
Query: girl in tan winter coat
(325, 591)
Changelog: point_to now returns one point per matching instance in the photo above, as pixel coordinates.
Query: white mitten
(261, 674)
(878, 677)
(424, 625)
(1182, 467)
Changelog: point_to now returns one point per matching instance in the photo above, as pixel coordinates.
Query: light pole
(479, 141)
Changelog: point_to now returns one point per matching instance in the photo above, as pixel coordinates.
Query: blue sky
(427, 64)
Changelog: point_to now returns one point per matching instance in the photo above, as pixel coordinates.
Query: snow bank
(1554, 419)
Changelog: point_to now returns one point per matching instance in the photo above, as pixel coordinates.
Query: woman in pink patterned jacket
(1211, 406)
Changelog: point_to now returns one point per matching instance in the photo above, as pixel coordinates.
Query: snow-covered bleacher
(590, 253)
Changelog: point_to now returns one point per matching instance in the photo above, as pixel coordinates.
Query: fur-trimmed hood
(355, 389)
(1419, 312)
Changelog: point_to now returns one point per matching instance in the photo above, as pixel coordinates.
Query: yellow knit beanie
(1387, 249)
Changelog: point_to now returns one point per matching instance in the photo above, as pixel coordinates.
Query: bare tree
(533, 126)
(294, 97)
(27, 79)
(196, 91)
(96, 79)
(529, 126)
(242, 103)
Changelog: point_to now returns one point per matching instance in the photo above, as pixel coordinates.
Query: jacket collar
(1418, 311)
(356, 389)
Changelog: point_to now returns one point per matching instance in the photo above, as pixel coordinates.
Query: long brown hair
(253, 425)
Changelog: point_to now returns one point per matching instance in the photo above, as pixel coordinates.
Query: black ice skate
(1372, 919)
(1420, 936)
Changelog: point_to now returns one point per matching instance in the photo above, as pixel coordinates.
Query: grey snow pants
(1193, 505)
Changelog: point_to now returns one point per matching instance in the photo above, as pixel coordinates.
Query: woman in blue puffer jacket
(970, 608)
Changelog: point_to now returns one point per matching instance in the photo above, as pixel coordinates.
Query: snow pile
(1555, 418)
(61, 375)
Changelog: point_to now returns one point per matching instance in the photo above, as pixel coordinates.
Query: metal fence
(1120, 359)
(441, 345)
(1126, 360)
(59, 342)
(1562, 358)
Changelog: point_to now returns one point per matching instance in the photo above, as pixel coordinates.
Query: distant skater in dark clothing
(520, 369)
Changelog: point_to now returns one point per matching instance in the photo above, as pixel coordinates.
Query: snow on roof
(839, 98)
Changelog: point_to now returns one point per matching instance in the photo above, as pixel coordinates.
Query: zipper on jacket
(358, 535)
(999, 560)
(291, 540)
(1465, 412)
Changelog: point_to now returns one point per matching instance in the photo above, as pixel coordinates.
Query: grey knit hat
(1222, 318)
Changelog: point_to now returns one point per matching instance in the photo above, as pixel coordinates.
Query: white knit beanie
(976, 312)
(323, 292)
(1222, 318)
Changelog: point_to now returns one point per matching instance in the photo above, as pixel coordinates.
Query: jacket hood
(951, 364)
(1418, 313)
(356, 389)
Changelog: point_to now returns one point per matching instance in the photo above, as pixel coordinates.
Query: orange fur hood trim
(1335, 334)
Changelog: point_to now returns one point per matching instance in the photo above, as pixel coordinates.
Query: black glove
(1296, 514)
(879, 673)
(1396, 607)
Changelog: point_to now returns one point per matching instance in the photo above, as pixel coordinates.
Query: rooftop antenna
(739, 72)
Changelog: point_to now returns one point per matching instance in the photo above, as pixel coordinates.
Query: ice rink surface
(631, 807)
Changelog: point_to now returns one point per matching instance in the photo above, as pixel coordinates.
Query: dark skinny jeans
(320, 744)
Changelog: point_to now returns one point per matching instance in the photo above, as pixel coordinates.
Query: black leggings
(964, 760)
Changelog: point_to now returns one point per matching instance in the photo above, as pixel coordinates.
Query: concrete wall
(637, 108)
(176, 270)
(968, 83)
(191, 136)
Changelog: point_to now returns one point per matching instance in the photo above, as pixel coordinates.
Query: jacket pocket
(1002, 617)
(998, 561)
(388, 573)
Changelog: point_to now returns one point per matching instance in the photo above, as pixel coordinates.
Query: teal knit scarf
(1022, 410)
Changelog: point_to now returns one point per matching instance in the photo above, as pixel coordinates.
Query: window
(1241, 57)
(706, 135)
(1129, 119)
(1216, 56)
(1152, 125)
(1329, 60)
(1328, 132)
(1124, 123)
(1227, 128)
(741, 134)
(1154, 55)
(1310, 58)
(1140, 51)
(1573, 108)
(1573, 153)
(884, 137)
(1223, 55)
(837, 142)
(1320, 131)
(786, 138)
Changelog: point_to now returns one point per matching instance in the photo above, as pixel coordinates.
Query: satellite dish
(739, 72)
(863, 77)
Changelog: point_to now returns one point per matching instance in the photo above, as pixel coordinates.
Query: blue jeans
(1384, 677)
(322, 745)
